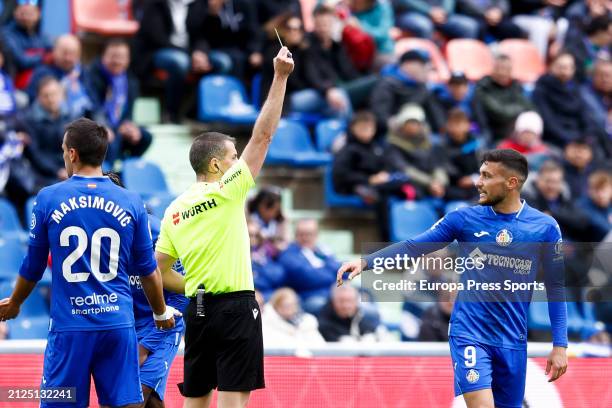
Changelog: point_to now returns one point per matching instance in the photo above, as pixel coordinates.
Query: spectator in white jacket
(284, 324)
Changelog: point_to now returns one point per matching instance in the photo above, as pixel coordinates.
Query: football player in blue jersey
(488, 326)
(96, 231)
(156, 349)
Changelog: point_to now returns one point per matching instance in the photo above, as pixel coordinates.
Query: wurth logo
(175, 218)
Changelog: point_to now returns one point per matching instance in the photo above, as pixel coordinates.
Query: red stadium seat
(470, 56)
(526, 60)
(440, 72)
(104, 17)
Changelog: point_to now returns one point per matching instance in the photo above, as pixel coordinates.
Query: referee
(206, 228)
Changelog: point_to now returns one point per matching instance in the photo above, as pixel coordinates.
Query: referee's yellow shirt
(206, 228)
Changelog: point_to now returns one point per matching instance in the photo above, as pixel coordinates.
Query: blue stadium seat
(306, 118)
(12, 252)
(335, 200)
(9, 220)
(144, 178)
(327, 131)
(35, 305)
(537, 319)
(453, 205)
(256, 90)
(410, 218)
(24, 328)
(222, 98)
(291, 145)
(158, 204)
(55, 18)
(6, 288)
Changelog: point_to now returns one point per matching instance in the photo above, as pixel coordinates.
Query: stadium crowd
(408, 137)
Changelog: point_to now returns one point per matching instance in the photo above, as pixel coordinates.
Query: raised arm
(255, 151)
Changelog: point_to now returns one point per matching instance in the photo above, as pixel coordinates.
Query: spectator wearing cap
(24, 41)
(113, 91)
(411, 152)
(405, 83)
(421, 18)
(594, 44)
(461, 149)
(456, 93)
(498, 100)
(598, 203)
(527, 138)
(65, 66)
(578, 163)
(597, 95)
(558, 100)
(493, 18)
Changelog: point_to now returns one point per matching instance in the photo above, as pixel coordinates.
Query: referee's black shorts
(223, 349)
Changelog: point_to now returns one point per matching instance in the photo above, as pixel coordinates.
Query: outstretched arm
(255, 151)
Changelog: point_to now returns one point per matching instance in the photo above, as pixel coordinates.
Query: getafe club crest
(472, 376)
(503, 238)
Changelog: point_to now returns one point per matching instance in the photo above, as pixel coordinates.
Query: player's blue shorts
(162, 346)
(478, 366)
(111, 356)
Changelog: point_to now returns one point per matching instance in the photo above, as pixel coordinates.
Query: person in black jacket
(328, 69)
(493, 18)
(113, 91)
(402, 84)
(436, 318)
(162, 42)
(268, 10)
(291, 31)
(558, 100)
(587, 47)
(461, 150)
(227, 32)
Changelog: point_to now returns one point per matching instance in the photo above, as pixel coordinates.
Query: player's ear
(73, 154)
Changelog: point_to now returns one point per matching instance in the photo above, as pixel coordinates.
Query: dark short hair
(206, 146)
(89, 139)
(502, 57)
(44, 81)
(509, 158)
(322, 9)
(561, 54)
(598, 24)
(268, 197)
(457, 114)
(116, 42)
(114, 177)
(550, 166)
(362, 116)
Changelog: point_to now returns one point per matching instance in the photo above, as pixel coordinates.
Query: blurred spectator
(8, 104)
(598, 204)
(461, 150)
(24, 40)
(557, 98)
(16, 181)
(309, 270)
(45, 122)
(267, 274)
(457, 93)
(549, 195)
(498, 100)
(421, 17)
(411, 152)
(436, 318)
(594, 44)
(537, 18)
(291, 31)
(578, 164)
(402, 84)
(285, 324)
(328, 70)
(527, 138)
(66, 68)
(226, 32)
(342, 319)
(493, 17)
(268, 10)
(597, 95)
(163, 43)
(266, 212)
(4, 331)
(374, 17)
(113, 91)
(581, 13)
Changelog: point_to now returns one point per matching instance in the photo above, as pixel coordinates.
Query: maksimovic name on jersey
(75, 203)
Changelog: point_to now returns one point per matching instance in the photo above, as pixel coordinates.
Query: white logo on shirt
(480, 234)
(255, 313)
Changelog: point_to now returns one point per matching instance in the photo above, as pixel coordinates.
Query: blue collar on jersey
(516, 215)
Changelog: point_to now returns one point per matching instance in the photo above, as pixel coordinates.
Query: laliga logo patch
(472, 376)
(559, 247)
(33, 221)
(503, 238)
